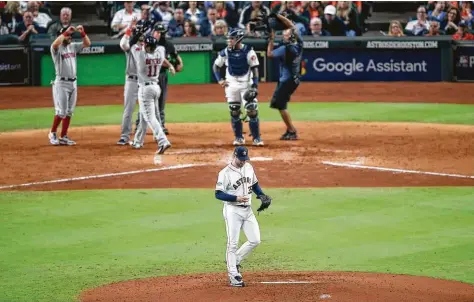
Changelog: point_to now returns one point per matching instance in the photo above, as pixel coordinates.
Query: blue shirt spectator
(228, 4)
(27, 28)
(176, 26)
(438, 12)
(207, 24)
(193, 13)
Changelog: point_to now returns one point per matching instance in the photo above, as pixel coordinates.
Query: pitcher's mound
(285, 286)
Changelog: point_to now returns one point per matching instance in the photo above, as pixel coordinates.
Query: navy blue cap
(242, 153)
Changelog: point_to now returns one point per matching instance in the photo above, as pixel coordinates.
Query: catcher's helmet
(160, 27)
(150, 42)
(236, 36)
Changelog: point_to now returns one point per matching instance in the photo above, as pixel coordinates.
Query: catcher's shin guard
(235, 120)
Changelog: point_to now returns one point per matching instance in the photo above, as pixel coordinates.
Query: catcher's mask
(235, 37)
(150, 43)
(242, 153)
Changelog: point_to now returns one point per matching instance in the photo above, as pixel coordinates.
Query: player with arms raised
(149, 58)
(240, 84)
(64, 53)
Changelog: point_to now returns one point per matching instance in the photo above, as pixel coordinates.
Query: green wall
(96, 70)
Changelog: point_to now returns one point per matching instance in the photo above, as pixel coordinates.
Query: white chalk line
(289, 282)
(358, 166)
(100, 176)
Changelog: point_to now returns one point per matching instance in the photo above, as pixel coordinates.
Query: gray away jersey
(64, 59)
(148, 64)
(131, 65)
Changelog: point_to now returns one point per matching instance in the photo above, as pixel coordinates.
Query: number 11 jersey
(148, 64)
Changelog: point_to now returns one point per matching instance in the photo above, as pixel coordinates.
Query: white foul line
(287, 282)
(100, 176)
(348, 165)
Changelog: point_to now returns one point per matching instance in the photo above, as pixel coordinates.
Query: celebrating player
(149, 58)
(290, 54)
(234, 187)
(240, 84)
(64, 54)
(131, 79)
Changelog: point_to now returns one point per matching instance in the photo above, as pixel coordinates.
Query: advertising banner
(464, 63)
(14, 66)
(371, 65)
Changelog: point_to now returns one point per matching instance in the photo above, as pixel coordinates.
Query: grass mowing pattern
(218, 112)
(55, 244)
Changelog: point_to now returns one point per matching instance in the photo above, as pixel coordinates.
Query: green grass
(218, 112)
(53, 245)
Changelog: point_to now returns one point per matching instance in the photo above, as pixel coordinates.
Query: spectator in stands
(438, 12)
(462, 33)
(348, 15)
(451, 21)
(124, 17)
(220, 29)
(315, 9)
(293, 10)
(42, 19)
(12, 15)
(316, 28)
(64, 21)
(228, 4)
(395, 29)
(176, 26)
(207, 24)
(27, 28)
(162, 12)
(193, 13)
(434, 29)
(225, 13)
(466, 13)
(421, 25)
(3, 27)
(145, 12)
(190, 29)
(247, 12)
(332, 23)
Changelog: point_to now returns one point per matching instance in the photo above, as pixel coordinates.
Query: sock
(254, 125)
(237, 127)
(56, 122)
(66, 122)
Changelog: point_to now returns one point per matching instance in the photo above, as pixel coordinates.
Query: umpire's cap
(242, 153)
(61, 31)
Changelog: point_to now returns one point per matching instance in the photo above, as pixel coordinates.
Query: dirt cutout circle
(285, 286)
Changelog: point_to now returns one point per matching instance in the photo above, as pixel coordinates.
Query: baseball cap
(242, 153)
(160, 27)
(330, 10)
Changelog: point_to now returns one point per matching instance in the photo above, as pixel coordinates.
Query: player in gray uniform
(64, 54)
(149, 59)
(131, 79)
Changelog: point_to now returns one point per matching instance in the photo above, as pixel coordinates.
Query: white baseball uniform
(130, 89)
(237, 216)
(238, 73)
(65, 84)
(148, 69)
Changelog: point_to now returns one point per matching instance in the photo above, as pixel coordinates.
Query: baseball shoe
(239, 141)
(53, 138)
(165, 130)
(136, 145)
(236, 281)
(258, 142)
(163, 148)
(122, 142)
(289, 136)
(66, 141)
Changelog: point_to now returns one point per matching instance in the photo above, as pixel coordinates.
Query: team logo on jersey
(68, 55)
(153, 61)
(241, 181)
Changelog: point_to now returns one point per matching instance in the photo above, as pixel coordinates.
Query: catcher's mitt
(250, 94)
(266, 202)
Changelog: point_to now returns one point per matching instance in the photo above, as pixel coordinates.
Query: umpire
(174, 58)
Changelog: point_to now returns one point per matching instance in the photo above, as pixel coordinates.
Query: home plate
(287, 282)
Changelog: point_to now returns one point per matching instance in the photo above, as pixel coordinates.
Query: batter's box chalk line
(62, 180)
(395, 170)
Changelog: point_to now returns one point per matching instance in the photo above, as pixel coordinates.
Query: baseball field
(375, 202)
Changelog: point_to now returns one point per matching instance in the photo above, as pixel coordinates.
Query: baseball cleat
(66, 141)
(236, 281)
(122, 142)
(163, 148)
(53, 138)
(165, 130)
(136, 145)
(258, 142)
(239, 141)
(289, 136)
